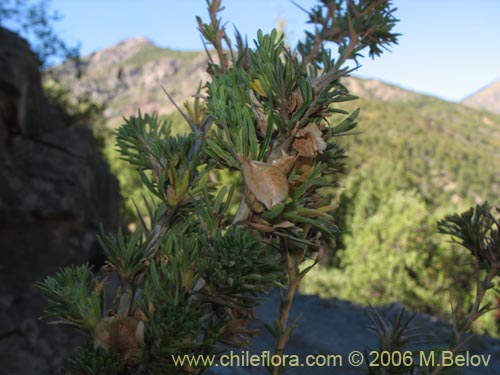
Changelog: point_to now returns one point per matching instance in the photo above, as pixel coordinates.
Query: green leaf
(274, 212)
(347, 124)
(72, 298)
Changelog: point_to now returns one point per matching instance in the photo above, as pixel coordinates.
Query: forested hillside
(447, 152)
(412, 163)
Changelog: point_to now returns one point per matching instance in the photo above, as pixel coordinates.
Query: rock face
(55, 191)
(129, 76)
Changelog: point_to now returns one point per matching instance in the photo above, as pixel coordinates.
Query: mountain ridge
(130, 74)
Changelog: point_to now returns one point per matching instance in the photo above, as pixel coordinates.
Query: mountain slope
(487, 98)
(130, 75)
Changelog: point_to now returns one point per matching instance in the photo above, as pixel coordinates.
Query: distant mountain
(130, 75)
(487, 98)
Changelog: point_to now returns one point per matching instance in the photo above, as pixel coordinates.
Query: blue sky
(449, 48)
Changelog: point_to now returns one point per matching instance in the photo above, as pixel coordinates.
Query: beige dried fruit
(253, 203)
(243, 211)
(295, 101)
(124, 335)
(266, 182)
(309, 141)
(285, 162)
(304, 166)
(101, 333)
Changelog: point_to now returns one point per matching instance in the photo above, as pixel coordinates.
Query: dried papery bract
(266, 182)
(121, 335)
(309, 141)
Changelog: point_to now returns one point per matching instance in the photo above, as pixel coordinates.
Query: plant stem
(294, 280)
(165, 222)
(474, 313)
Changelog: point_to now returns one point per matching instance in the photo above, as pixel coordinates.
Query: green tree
(477, 231)
(33, 20)
(389, 250)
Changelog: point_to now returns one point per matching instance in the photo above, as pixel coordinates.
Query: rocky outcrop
(55, 192)
(129, 76)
